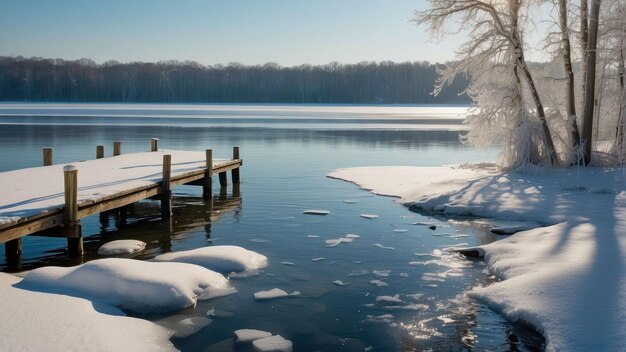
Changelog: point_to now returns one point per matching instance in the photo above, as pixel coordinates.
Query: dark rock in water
(513, 338)
(432, 227)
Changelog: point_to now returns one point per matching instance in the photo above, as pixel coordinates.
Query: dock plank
(32, 199)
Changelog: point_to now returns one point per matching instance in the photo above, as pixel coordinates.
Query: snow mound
(139, 286)
(274, 343)
(219, 258)
(42, 322)
(249, 335)
(120, 247)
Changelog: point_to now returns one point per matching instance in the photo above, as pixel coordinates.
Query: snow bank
(568, 279)
(219, 258)
(36, 321)
(132, 284)
(120, 247)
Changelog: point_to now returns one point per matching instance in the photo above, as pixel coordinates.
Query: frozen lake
(389, 288)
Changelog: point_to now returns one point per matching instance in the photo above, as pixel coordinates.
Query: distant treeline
(57, 80)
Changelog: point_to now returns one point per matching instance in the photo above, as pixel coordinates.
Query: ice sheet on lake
(120, 247)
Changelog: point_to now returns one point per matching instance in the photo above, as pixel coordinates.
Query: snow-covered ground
(65, 323)
(567, 279)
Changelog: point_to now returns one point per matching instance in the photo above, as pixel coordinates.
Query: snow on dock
(56, 197)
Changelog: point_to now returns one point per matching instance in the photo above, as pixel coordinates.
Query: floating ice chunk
(287, 263)
(415, 296)
(346, 239)
(244, 274)
(219, 258)
(270, 294)
(350, 201)
(351, 235)
(369, 216)
(184, 326)
(135, 285)
(259, 240)
(378, 283)
(357, 261)
(316, 212)
(389, 299)
(383, 273)
(333, 242)
(403, 274)
(340, 283)
(400, 230)
(313, 236)
(415, 306)
(445, 319)
(383, 247)
(249, 335)
(121, 247)
(459, 236)
(274, 343)
(385, 316)
(317, 259)
(421, 223)
(359, 272)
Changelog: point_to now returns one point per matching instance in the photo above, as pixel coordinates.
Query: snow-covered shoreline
(567, 279)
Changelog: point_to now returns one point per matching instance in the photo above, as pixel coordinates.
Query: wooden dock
(52, 199)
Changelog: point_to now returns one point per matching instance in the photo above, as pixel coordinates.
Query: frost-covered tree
(590, 80)
(509, 107)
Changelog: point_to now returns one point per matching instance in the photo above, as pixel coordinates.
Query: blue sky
(289, 32)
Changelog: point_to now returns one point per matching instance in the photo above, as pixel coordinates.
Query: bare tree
(590, 80)
(494, 38)
(569, 72)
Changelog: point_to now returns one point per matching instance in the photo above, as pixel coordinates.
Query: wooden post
(13, 248)
(207, 186)
(223, 179)
(154, 144)
(72, 225)
(117, 148)
(99, 152)
(235, 172)
(47, 156)
(166, 196)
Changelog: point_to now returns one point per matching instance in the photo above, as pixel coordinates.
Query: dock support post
(166, 196)
(99, 151)
(13, 249)
(72, 225)
(207, 186)
(235, 172)
(47, 156)
(223, 179)
(154, 144)
(117, 148)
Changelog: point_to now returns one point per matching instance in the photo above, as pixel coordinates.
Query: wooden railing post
(154, 144)
(47, 156)
(72, 224)
(166, 195)
(235, 172)
(117, 148)
(99, 152)
(207, 186)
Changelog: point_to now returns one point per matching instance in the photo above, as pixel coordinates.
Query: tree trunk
(590, 80)
(520, 62)
(620, 142)
(567, 63)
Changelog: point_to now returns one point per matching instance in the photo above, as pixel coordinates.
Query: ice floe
(273, 294)
(378, 283)
(369, 216)
(316, 212)
(340, 283)
(382, 247)
(274, 343)
(249, 335)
